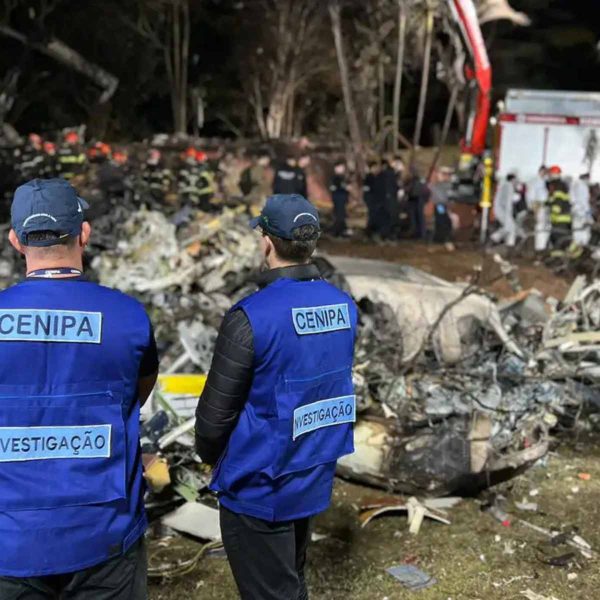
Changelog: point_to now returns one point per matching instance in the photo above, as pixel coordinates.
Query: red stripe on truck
(535, 119)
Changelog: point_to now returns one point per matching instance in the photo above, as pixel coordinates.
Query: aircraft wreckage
(455, 390)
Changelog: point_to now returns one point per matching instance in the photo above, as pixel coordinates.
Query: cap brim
(83, 203)
(254, 223)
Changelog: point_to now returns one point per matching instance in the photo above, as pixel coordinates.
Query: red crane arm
(466, 16)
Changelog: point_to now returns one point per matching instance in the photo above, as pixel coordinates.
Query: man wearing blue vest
(76, 362)
(278, 408)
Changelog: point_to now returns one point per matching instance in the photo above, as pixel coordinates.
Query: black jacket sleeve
(227, 387)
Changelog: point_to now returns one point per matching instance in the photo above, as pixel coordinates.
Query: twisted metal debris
(455, 391)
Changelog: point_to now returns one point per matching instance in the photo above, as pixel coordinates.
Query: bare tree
(280, 60)
(445, 131)
(353, 124)
(428, 24)
(55, 48)
(166, 25)
(399, 69)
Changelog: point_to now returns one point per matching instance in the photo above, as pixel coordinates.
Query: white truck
(537, 127)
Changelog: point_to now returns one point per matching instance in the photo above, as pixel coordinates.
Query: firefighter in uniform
(207, 185)
(49, 171)
(99, 153)
(559, 202)
(189, 178)
(278, 407)
(112, 177)
(76, 361)
(71, 157)
(30, 158)
(155, 176)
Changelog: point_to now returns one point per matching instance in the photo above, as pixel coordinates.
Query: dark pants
(443, 225)
(416, 211)
(561, 236)
(379, 219)
(339, 213)
(390, 219)
(371, 214)
(120, 578)
(267, 559)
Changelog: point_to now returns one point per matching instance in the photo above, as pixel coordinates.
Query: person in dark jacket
(387, 198)
(111, 177)
(369, 198)
(418, 194)
(278, 407)
(339, 195)
(289, 178)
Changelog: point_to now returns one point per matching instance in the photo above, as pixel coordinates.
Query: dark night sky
(558, 51)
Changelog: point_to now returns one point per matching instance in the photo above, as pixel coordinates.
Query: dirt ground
(454, 266)
(474, 558)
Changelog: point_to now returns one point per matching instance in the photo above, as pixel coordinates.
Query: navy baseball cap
(47, 205)
(283, 213)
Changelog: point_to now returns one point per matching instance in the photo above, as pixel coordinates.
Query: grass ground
(475, 558)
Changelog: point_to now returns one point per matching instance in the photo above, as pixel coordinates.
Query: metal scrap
(195, 519)
(411, 577)
(416, 511)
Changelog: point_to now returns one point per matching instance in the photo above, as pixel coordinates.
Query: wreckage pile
(455, 391)
(187, 277)
(471, 390)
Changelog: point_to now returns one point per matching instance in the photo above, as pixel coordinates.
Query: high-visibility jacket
(560, 208)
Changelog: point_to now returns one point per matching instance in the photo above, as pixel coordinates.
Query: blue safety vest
(298, 418)
(71, 485)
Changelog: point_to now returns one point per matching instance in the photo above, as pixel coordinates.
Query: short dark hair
(47, 236)
(301, 248)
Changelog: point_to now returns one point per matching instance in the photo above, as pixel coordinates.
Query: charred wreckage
(456, 391)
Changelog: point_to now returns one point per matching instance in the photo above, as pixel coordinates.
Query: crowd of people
(396, 201)
(556, 211)
(190, 175)
(551, 209)
(394, 197)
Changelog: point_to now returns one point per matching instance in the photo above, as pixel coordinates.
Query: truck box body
(548, 128)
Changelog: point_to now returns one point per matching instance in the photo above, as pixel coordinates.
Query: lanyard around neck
(50, 273)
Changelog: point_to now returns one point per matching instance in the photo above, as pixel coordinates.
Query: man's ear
(269, 248)
(15, 243)
(86, 232)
